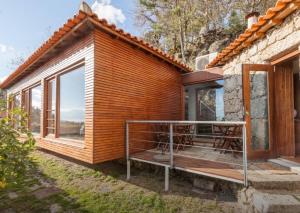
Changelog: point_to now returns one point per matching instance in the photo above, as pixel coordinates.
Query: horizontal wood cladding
(129, 84)
(81, 51)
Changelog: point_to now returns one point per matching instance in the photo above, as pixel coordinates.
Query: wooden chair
(161, 136)
(189, 131)
(220, 132)
(179, 137)
(233, 141)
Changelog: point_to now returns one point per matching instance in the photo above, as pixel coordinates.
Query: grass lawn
(58, 185)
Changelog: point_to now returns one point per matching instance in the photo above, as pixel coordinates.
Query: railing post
(127, 149)
(171, 146)
(166, 178)
(245, 164)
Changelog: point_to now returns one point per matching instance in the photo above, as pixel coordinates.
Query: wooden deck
(199, 166)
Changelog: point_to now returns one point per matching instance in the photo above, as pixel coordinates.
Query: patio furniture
(182, 135)
(189, 134)
(233, 141)
(228, 137)
(161, 133)
(179, 137)
(219, 131)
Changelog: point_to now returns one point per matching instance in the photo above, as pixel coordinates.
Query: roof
(202, 76)
(273, 17)
(72, 24)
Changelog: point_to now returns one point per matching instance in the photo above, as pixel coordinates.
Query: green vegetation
(102, 189)
(188, 28)
(16, 143)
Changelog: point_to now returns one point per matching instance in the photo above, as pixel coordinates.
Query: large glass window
(204, 102)
(35, 109)
(32, 103)
(66, 105)
(72, 104)
(16, 104)
(17, 101)
(51, 106)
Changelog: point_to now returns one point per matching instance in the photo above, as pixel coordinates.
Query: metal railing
(144, 144)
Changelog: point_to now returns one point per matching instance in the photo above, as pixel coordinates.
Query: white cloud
(4, 48)
(104, 9)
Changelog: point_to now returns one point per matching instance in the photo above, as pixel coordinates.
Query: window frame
(28, 111)
(12, 104)
(56, 77)
(46, 111)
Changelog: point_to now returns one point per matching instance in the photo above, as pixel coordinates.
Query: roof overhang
(203, 76)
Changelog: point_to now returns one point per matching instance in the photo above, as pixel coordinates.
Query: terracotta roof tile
(283, 8)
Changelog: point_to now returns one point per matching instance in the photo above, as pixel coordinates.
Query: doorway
(284, 110)
(296, 83)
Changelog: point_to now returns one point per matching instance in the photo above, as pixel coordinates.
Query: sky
(25, 26)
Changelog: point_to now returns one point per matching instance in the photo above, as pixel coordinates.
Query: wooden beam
(286, 57)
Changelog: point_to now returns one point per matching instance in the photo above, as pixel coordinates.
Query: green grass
(104, 189)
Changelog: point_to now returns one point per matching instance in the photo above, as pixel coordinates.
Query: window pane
(72, 104)
(51, 108)
(259, 105)
(25, 104)
(17, 105)
(204, 102)
(35, 109)
(17, 101)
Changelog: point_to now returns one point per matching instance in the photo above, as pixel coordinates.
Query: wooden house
(89, 77)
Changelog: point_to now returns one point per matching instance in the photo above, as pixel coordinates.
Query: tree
(236, 24)
(16, 143)
(186, 28)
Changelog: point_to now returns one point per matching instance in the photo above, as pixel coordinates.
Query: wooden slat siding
(284, 111)
(81, 50)
(129, 84)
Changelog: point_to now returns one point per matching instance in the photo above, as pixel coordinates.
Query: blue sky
(25, 26)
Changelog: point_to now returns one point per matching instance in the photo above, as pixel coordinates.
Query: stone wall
(277, 40)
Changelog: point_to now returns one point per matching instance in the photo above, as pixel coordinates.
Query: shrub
(16, 143)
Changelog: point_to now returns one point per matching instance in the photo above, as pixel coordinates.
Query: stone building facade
(277, 40)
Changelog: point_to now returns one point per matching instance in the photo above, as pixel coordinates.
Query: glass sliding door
(204, 102)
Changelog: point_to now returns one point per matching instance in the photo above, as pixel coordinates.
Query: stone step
(293, 166)
(252, 200)
(286, 183)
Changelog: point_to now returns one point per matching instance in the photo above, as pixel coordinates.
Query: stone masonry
(277, 40)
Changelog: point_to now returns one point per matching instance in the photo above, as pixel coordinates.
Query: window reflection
(51, 106)
(72, 104)
(16, 105)
(35, 109)
(204, 102)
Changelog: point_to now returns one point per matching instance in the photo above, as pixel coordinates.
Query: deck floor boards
(197, 165)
